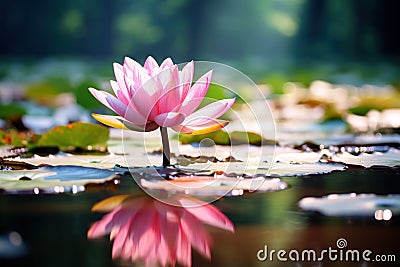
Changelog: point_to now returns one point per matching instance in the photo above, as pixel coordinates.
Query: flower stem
(165, 147)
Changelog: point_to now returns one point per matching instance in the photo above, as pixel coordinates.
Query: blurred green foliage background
(271, 40)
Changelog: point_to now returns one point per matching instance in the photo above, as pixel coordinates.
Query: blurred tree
(348, 29)
(254, 32)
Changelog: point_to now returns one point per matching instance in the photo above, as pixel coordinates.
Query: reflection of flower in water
(151, 231)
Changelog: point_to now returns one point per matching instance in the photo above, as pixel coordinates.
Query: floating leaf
(284, 169)
(215, 185)
(15, 165)
(83, 97)
(221, 137)
(5, 151)
(10, 138)
(239, 137)
(45, 92)
(11, 110)
(15, 138)
(298, 158)
(349, 205)
(361, 110)
(378, 102)
(390, 158)
(77, 134)
(95, 161)
(279, 169)
(53, 179)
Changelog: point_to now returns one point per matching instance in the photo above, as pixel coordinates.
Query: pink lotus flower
(144, 229)
(152, 96)
(160, 96)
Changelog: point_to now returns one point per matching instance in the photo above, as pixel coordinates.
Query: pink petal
(169, 217)
(123, 245)
(121, 242)
(119, 92)
(100, 228)
(148, 242)
(126, 97)
(194, 126)
(119, 76)
(196, 234)
(196, 94)
(149, 127)
(169, 94)
(129, 62)
(169, 78)
(167, 63)
(146, 98)
(183, 249)
(138, 128)
(130, 83)
(115, 219)
(136, 72)
(170, 99)
(188, 106)
(169, 222)
(208, 214)
(114, 232)
(163, 250)
(109, 101)
(185, 79)
(169, 119)
(211, 111)
(141, 231)
(151, 65)
(201, 123)
(118, 107)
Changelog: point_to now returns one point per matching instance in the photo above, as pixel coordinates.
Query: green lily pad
(11, 110)
(361, 110)
(77, 135)
(239, 138)
(83, 97)
(221, 137)
(15, 138)
(53, 179)
(44, 92)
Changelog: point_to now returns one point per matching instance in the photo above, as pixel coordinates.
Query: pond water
(53, 228)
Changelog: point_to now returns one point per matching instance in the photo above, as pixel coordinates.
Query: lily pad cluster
(317, 133)
(72, 137)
